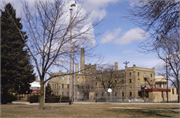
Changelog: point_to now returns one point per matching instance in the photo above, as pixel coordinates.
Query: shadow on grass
(145, 113)
(153, 113)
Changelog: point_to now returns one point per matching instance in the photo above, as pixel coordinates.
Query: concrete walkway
(143, 108)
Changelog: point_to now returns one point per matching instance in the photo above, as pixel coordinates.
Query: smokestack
(77, 68)
(116, 65)
(82, 60)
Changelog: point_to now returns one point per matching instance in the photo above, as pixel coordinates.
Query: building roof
(160, 78)
(35, 84)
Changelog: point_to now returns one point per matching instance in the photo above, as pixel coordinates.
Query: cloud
(130, 36)
(109, 36)
(97, 7)
(127, 51)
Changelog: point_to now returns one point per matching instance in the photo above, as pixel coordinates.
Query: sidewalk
(144, 108)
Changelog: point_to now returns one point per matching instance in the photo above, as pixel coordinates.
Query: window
(122, 88)
(130, 87)
(62, 93)
(96, 83)
(62, 78)
(115, 81)
(144, 74)
(55, 86)
(138, 74)
(57, 92)
(122, 81)
(68, 79)
(102, 94)
(138, 80)
(67, 93)
(130, 74)
(130, 94)
(115, 94)
(129, 80)
(62, 85)
(96, 94)
(78, 79)
(122, 94)
(67, 85)
(172, 91)
(151, 75)
(78, 86)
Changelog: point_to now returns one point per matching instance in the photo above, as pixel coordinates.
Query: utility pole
(126, 63)
(70, 77)
(73, 4)
(126, 76)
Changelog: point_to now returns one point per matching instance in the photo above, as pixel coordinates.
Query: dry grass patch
(84, 110)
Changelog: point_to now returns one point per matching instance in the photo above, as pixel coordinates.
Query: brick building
(134, 79)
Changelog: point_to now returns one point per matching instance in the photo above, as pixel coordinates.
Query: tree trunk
(41, 99)
(178, 94)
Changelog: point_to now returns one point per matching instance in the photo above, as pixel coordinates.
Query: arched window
(130, 74)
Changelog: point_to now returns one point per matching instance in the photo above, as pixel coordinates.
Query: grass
(90, 110)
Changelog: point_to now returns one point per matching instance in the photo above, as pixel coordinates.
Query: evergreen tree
(48, 90)
(16, 71)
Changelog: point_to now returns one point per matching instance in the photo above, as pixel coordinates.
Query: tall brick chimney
(116, 65)
(82, 60)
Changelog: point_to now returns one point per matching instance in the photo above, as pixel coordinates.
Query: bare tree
(167, 50)
(157, 17)
(86, 86)
(161, 20)
(47, 24)
(107, 77)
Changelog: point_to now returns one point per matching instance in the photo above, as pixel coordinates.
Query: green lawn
(90, 110)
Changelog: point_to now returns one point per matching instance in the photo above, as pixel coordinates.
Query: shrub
(101, 100)
(52, 99)
(33, 98)
(65, 99)
(8, 98)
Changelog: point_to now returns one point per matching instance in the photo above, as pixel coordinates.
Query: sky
(119, 37)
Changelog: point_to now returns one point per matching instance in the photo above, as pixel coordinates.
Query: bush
(65, 99)
(33, 98)
(8, 98)
(52, 99)
(101, 100)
